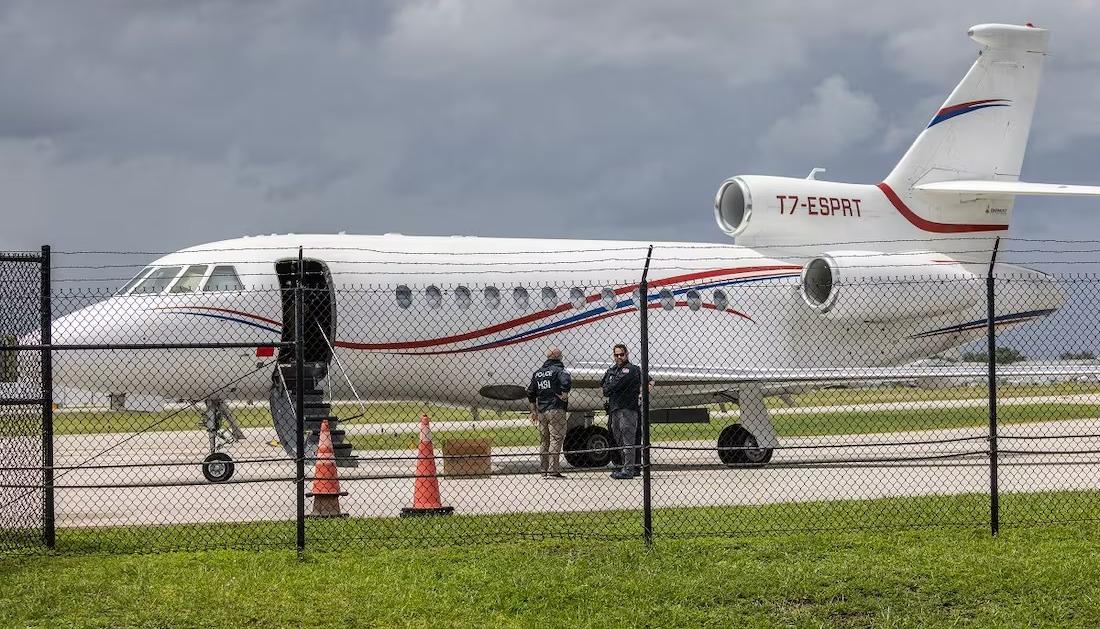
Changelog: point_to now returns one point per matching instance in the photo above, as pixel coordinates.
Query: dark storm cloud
(157, 125)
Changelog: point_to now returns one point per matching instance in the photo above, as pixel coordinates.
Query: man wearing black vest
(548, 394)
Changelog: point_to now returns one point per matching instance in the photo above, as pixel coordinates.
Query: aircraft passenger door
(319, 309)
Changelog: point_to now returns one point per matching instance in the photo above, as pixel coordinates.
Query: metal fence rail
(198, 418)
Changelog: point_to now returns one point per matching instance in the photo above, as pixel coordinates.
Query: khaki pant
(552, 429)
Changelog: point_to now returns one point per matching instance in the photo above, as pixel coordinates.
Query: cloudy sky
(158, 125)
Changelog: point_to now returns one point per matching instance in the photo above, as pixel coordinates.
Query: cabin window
(694, 300)
(404, 296)
(608, 299)
(636, 297)
(719, 299)
(433, 296)
(520, 296)
(137, 278)
(223, 279)
(492, 297)
(158, 280)
(190, 280)
(463, 299)
(577, 298)
(549, 298)
(668, 302)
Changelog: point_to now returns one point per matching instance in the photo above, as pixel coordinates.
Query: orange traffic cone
(426, 499)
(326, 486)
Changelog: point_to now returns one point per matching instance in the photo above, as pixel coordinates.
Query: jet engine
(764, 212)
(874, 286)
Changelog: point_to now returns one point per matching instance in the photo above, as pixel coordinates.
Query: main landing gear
(737, 446)
(749, 443)
(588, 446)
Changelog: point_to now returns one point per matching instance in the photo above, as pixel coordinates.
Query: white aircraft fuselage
(449, 352)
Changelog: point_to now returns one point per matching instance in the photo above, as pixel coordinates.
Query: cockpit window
(137, 278)
(190, 280)
(223, 279)
(158, 280)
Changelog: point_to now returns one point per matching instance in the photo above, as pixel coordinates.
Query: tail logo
(964, 108)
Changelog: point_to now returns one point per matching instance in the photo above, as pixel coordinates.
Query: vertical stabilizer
(981, 131)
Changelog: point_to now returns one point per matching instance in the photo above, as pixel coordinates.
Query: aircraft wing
(730, 378)
(1008, 188)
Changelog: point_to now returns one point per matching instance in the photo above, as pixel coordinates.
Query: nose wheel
(218, 467)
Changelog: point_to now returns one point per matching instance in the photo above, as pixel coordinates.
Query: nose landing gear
(218, 466)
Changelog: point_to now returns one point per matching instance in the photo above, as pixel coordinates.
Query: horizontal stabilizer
(1008, 188)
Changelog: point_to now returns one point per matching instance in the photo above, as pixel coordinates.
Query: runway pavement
(686, 473)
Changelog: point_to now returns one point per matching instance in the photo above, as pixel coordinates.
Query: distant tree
(1077, 356)
(1005, 356)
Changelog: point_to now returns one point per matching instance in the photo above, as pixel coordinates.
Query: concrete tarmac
(686, 473)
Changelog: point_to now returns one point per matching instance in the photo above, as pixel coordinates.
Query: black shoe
(622, 475)
(555, 475)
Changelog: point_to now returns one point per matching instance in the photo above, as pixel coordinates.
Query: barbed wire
(543, 262)
(640, 246)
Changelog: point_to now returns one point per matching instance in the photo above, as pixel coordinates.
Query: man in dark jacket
(622, 386)
(548, 394)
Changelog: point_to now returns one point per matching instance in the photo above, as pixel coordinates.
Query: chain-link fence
(25, 444)
(197, 408)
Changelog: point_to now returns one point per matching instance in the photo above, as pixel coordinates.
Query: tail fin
(981, 130)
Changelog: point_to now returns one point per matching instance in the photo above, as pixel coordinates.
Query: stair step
(313, 423)
(338, 436)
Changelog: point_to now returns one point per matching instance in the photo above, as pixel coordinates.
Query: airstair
(316, 410)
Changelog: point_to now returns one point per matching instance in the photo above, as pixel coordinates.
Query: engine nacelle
(873, 286)
(793, 213)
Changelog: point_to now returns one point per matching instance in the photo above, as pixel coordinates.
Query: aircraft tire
(218, 467)
(735, 436)
(598, 438)
(574, 440)
(590, 438)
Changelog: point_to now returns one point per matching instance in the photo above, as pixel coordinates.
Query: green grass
(77, 422)
(815, 424)
(834, 397)
(881, 577)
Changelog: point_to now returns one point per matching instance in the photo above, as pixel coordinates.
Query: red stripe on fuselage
(932, 226)
(532, 337)
(500, 327)
(225, 310)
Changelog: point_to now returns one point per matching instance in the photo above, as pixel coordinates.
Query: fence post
(991, 361)
(299, 405)
(49, 532)
(647, 499)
